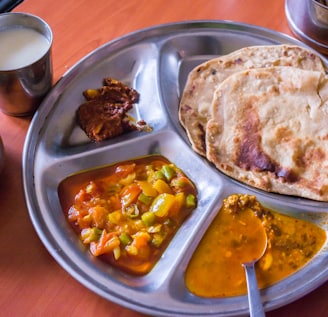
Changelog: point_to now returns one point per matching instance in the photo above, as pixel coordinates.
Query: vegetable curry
(127, 213)
(215, 269)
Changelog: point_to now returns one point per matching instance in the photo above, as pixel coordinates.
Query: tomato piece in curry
(127, 213)
(215, 269)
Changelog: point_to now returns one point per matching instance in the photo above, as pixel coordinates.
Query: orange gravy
(215, 268)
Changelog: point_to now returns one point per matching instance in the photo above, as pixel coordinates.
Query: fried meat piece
(113, 91)
(101, 121)
(104, 114)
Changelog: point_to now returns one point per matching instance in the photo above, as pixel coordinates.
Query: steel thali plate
(156, 62)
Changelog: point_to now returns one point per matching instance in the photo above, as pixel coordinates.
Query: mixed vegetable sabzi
(129, 215)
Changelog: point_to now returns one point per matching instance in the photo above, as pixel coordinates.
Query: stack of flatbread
(260, 114)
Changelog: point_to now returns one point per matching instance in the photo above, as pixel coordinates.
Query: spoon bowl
(255, 245)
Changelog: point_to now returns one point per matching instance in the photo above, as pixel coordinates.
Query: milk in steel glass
(21, 47)
(25, 63)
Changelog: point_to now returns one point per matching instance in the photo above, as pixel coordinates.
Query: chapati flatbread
(269, 129)
(204, 79)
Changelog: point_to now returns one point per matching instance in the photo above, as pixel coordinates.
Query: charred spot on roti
(287, 175)
(202, 134)
(251, 155)
(309, 154)
(187, 108)
(283, 134)
(238, 60)
(191, 91)
(234, 62)
(199, 69)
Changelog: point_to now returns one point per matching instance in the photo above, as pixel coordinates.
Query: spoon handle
(254, 299)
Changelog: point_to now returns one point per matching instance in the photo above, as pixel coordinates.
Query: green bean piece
(125, 238)
(190, 201)
(148, 218)
(168, 171)
(178, 183)
(145, 199)
(159, 175)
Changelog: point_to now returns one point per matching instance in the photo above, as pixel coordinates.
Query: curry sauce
(215, 269)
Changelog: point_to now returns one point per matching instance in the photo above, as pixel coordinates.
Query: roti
(205, 78)
(269, 129)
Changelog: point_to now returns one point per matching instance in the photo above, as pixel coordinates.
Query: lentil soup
(215, 269)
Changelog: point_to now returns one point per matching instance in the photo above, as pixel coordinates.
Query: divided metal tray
(156, 62)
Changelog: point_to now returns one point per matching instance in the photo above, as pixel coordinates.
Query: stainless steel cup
(22, 89)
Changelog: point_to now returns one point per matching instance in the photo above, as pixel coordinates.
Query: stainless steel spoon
(254, 299)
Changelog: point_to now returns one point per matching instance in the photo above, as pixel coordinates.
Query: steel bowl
(308, 19)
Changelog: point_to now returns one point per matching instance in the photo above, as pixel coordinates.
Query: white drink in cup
(21, 47)
(25, 63)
